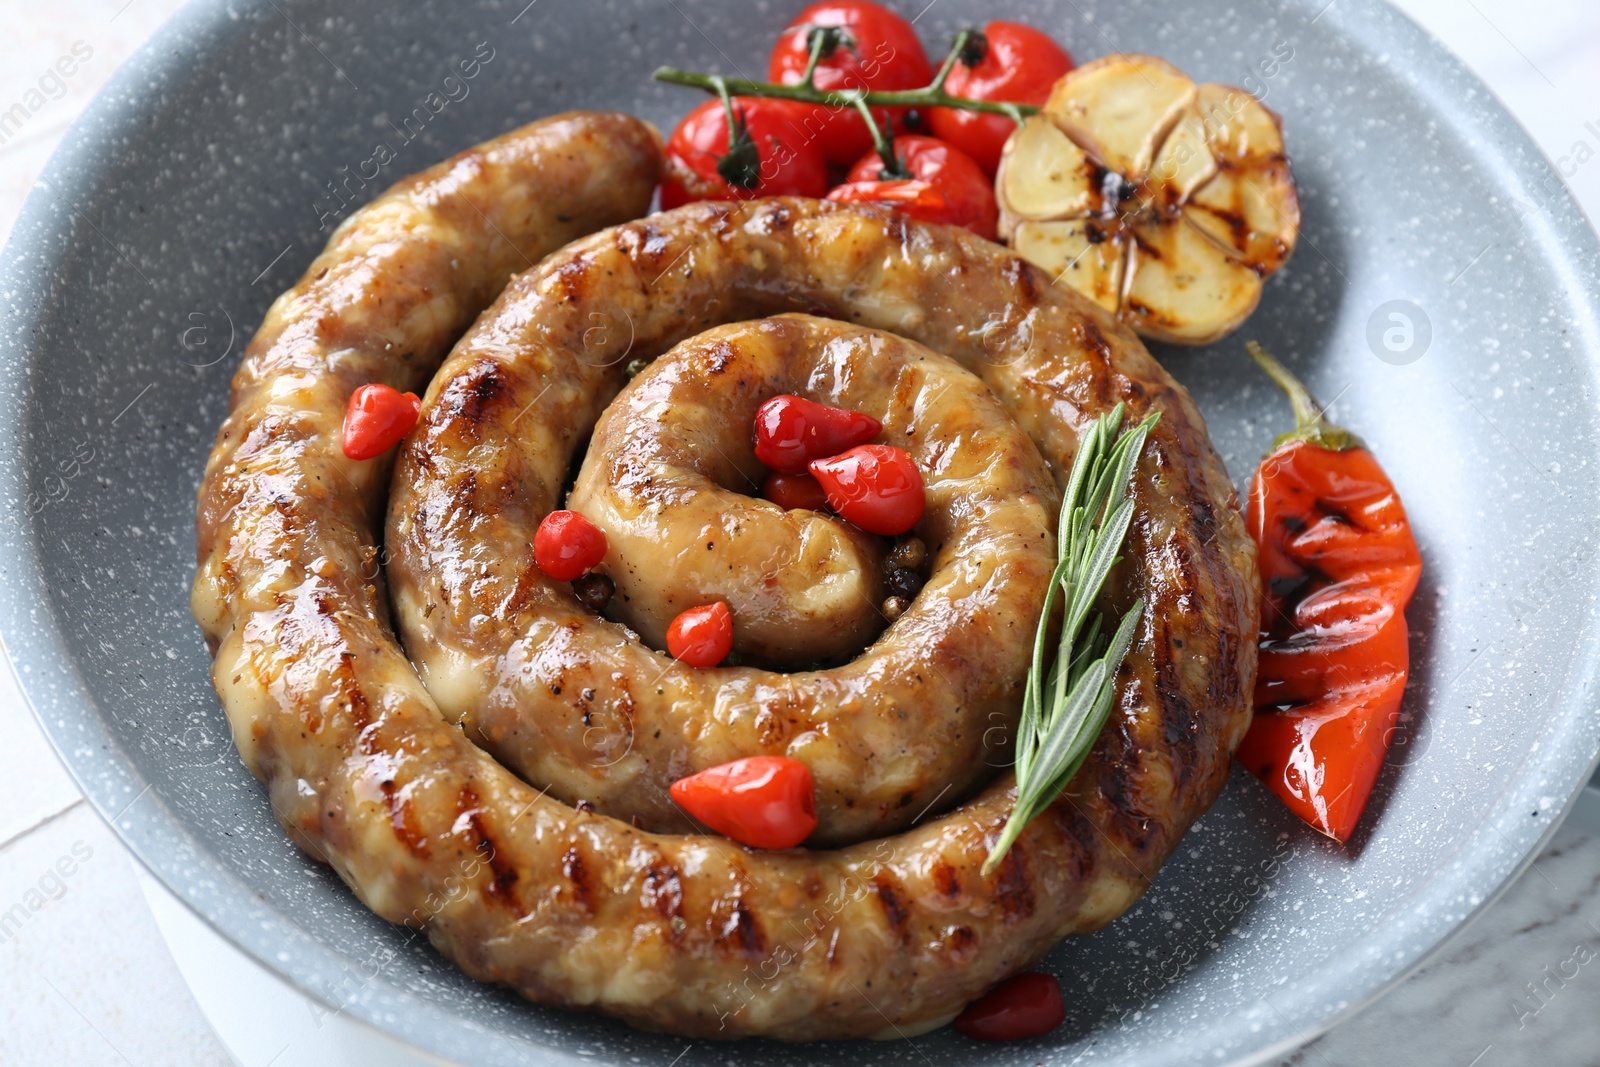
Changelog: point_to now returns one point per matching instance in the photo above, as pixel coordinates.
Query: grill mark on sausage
(737, 928)
(1022, 276)
(894, 906)
(946, 879)
(663, 890)
(960, 943)
(1122, 789)
(719, 357)
(577, 873)
(1013, 890)
(298, 631)
(502, 875)
(1179, 725)
(401, 819)
(476, 393)
(1095, 341)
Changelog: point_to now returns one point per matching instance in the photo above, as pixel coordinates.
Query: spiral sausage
(686, 933)
(574, 704)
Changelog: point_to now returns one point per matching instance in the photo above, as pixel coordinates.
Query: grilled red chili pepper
(703, 636)
(1338, 566)
(877, 487)
(377, 419)
(1025, 1006)
(793, 491)
(568, 546)
(761, 801)
(791, 431)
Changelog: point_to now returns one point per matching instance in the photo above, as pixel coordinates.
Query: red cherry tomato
(965, 194)
(883, 53)
(877, 487)
(568, 546)
(1025, 1006)
(785, 163)
(794, 491)
(701, 637)
(762, 801)
(791, 431)
(1019, 66)
(377, 419)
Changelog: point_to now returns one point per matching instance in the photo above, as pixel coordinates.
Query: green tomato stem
(930, 95)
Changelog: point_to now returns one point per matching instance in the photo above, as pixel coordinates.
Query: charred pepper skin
(1338, 564)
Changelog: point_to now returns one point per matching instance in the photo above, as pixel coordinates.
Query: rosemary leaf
(1068, 695)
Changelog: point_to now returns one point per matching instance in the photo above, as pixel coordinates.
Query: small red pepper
(791, 491)
(567, 545)
(1338, 566)
(877, 487)
(701, 637)
(1025, 1006)
(791, 431)
(761, 801)
(378, 418)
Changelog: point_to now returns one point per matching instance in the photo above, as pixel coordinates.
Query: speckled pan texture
(195, 190)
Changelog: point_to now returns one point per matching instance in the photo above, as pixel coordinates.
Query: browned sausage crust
(580, 706)
(690, 933)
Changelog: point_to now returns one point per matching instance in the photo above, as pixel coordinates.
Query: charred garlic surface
(1164, 202)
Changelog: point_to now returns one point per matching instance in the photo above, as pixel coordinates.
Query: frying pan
(1443, 297)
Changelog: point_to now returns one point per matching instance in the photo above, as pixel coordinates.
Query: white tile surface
(85, 977)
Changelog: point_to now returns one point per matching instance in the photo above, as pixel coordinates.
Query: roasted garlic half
(1165, 202)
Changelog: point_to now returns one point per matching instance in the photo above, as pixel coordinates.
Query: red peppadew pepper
(1025, 1006)
(1338, 566)
(761, 801)
(568, 546)
(791, 431)
(701, 637)
(877, 487)
(377, 419)
(792, 491)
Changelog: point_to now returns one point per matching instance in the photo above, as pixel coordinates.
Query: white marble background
(89, 980)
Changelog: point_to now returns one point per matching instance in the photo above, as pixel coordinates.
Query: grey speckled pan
(191, 193)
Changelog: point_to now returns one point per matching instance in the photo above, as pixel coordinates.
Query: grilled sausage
(690, 933)
(576, 705)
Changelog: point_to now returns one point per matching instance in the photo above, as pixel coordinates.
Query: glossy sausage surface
(690, 933)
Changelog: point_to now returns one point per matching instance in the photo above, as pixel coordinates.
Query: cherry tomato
(882, 53)
(877, 487)
(1025, 1006)
(794, 491)
(761, 801)
(1016, 64)
(791, 431)
(377, 419)
(777, 156)
(964, 193)
(701, 637)
(568, 546)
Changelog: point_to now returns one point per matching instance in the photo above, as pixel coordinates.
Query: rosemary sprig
(931, 95)
(1068, 696)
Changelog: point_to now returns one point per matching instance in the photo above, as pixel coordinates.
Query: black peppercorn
(594, 590)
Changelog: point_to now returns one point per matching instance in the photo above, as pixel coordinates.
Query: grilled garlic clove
(1063, 184)
(1120, 108)
(1185, 162)
(1164, 202)
(1251, 208)
(1079, 253)
(1182, 288)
